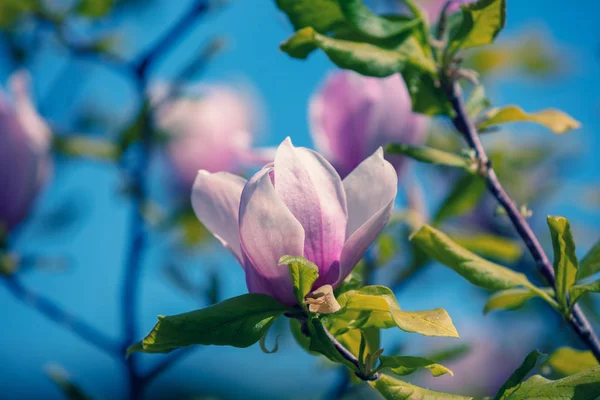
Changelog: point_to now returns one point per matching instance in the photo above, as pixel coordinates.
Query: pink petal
(216, 202)
(341, 118)
(370, 191)
(268, 231)
(312, 190)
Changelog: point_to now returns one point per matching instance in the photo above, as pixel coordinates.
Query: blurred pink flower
(434, 7)
(24, 152)
(213, 131)
(352, 115)
(297, 206)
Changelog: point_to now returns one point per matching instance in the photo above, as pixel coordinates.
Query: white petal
(268, 229)
(216, 202)
(369, 188)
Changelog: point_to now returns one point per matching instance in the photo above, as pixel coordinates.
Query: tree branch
(61, 317)
(166, 363)
(464, 125)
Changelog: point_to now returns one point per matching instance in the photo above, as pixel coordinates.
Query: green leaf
(481, 23)
(435, 322)
(567, 361)
(62, 380)
(555, 120)
(477, 101)
(321, 343)
(465, 195)
(405, 365)
(93, 8)
(394, 389)
(492, 246)
(240, 322)
(380, 299)
(512, 384)
(582, 386)
(304, 274)
(428, 155)
(81, 146)
(510, 299)
(134, 131)
(12, 10)
(323, 15)
(590, 264)
(470, 266)
(426, 95)
(363, 19)
(301, 338)
(263, 345)
(565, 259)
(364, 58)
(576, 291)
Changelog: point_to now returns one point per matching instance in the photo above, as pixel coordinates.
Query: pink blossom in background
(352, 115)
(24, 152)
(297, 206)
(434, 7)
(213, 131)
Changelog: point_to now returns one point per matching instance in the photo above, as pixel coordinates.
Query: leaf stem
(466, 127)
(349, 356)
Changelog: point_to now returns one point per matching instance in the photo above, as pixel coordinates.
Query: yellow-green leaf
(590, 263)
(481, 23)
(565, 259)
(582, 386)
(323, 15)
(555, 120)
(405, 365)
(428, 155)
(493, 246)
(303, 273)
(395, 389)
(514, 381)
(475, 269)
(435, 322)
(381, 300)
(566, 361)
(576, 291)
(509, 299)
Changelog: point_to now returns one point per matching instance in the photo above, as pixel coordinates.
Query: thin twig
(58, 315)
(465, 125)
(166, 363)
(137, 223)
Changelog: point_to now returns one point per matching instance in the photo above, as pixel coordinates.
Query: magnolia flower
(212, 131)
(352, 115)
(24, 152)
(297, 206)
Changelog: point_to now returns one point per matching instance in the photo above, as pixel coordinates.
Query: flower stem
(466, 127)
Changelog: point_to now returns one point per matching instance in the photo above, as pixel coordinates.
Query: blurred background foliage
(83, 57)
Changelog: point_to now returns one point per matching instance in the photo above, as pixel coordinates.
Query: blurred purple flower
(213, 131)
(434, 7)
(352, 115)
(297, 206)
(25, 162)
